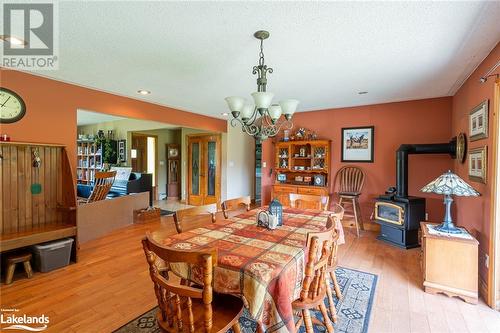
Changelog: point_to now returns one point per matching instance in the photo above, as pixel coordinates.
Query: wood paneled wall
(22, 210)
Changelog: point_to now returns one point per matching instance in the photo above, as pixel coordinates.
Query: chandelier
(263, 118)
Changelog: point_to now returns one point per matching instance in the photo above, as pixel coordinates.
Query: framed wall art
(478, 122)
(478, 162)
(357, 144)
(122, 150)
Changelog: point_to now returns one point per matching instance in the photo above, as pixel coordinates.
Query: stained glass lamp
(449, 184)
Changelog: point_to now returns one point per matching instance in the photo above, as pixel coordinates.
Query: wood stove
(398, 214)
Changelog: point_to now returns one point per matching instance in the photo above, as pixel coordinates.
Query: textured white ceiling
(89, 118)
(84, 117)
(191, 55)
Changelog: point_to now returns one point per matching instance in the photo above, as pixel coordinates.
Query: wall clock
(319, 180)
(173, 152)
(461, 149)
(12, 106)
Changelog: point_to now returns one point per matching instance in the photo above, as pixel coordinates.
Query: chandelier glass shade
(262, 118)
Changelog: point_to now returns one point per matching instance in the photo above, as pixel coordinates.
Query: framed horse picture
(358, 144)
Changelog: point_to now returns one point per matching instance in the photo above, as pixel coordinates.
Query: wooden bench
(36, 235)
(29, 217)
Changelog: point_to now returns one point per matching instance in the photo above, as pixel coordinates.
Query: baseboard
(483, 289)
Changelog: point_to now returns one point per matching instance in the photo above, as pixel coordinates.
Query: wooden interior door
(140, 144)
(204, 169)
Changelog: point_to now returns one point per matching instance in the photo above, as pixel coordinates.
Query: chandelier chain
(261, 53)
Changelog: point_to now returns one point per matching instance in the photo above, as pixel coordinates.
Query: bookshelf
(89, 159)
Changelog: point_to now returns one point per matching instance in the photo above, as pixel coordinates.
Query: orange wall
(421, 121)
(51, 110)
(474, 213)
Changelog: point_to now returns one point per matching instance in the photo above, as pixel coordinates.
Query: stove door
(389, 212)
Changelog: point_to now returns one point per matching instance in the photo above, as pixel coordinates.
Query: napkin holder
(267, 220)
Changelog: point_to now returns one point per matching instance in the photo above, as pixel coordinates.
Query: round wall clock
(461, 149)
(173, 152)
(12, 106)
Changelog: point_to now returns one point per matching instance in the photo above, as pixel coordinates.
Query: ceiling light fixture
(13, 40)
(262, 119)
(144, 92)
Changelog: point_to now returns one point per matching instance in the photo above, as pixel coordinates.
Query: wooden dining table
(265, 266)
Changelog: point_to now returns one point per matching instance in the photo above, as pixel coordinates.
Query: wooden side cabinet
(449, 265)
(282, 193)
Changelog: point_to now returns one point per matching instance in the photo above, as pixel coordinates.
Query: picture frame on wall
(122, 150)
(357, 144)
(478, 162)
(478, 122)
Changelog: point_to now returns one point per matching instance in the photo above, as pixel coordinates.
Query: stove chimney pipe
(407, 149)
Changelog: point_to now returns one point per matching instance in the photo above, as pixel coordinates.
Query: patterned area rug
(353, 311)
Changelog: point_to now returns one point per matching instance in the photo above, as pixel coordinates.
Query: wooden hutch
(302, 167)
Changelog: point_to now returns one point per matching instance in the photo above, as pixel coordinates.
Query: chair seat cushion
(349, 194)
(226, 310)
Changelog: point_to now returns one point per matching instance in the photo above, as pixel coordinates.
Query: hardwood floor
(110, 286)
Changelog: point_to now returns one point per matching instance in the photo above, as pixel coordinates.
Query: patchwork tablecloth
(266, 266)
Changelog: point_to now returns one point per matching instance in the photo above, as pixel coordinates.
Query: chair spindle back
(351, 179)
(174, 298)
(235, 204)
(319, 245)
(306, 200)
(102, 184)
(182, 214)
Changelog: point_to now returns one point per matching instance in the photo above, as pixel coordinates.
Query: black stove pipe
(402, 160)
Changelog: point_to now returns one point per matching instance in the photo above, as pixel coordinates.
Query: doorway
(204, 169)
(144, 156)
(494, 273)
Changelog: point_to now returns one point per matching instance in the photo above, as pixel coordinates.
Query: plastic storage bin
(52, 255)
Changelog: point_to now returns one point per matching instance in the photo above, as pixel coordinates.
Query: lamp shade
(262, 99)
(289, 106)
(450, 184)
(235, 103)
(275, 111)
(247, 111)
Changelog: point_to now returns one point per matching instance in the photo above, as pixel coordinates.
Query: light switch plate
(264, 164)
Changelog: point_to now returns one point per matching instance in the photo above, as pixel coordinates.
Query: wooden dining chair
(235, 205)
(337, 216)
(314, 286)
(350, 183)
(195, 213)
(319, 202)
(330, 271)
(103, 180)
(190, 307)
